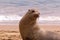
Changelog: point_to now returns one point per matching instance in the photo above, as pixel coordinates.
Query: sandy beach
(11, 32)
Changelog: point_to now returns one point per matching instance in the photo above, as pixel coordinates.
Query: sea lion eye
(33, 11)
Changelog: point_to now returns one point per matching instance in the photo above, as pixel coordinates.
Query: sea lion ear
(29, 10)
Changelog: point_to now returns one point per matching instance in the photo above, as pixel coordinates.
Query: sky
(13, 10)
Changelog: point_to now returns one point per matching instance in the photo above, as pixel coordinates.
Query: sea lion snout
(35, 12)
(36, 15)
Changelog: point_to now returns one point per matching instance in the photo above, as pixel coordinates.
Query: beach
(11, 32)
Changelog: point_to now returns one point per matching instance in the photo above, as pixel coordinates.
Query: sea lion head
(33, 14)
(30, 17)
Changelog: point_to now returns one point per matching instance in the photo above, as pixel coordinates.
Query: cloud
(29, 2)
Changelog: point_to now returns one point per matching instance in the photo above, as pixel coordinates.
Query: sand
(11, 32)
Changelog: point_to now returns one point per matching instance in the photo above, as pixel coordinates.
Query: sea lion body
(30, 30)
(28, 24)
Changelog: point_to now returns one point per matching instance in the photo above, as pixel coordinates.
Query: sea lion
(30, 30)
(27, 24)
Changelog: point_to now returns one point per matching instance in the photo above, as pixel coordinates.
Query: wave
(50, 18)
(17, 17)
(14, 19)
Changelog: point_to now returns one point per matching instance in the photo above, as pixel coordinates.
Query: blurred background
(11, 11)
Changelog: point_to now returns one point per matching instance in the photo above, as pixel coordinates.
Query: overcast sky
(30, 2)
(49, 9)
